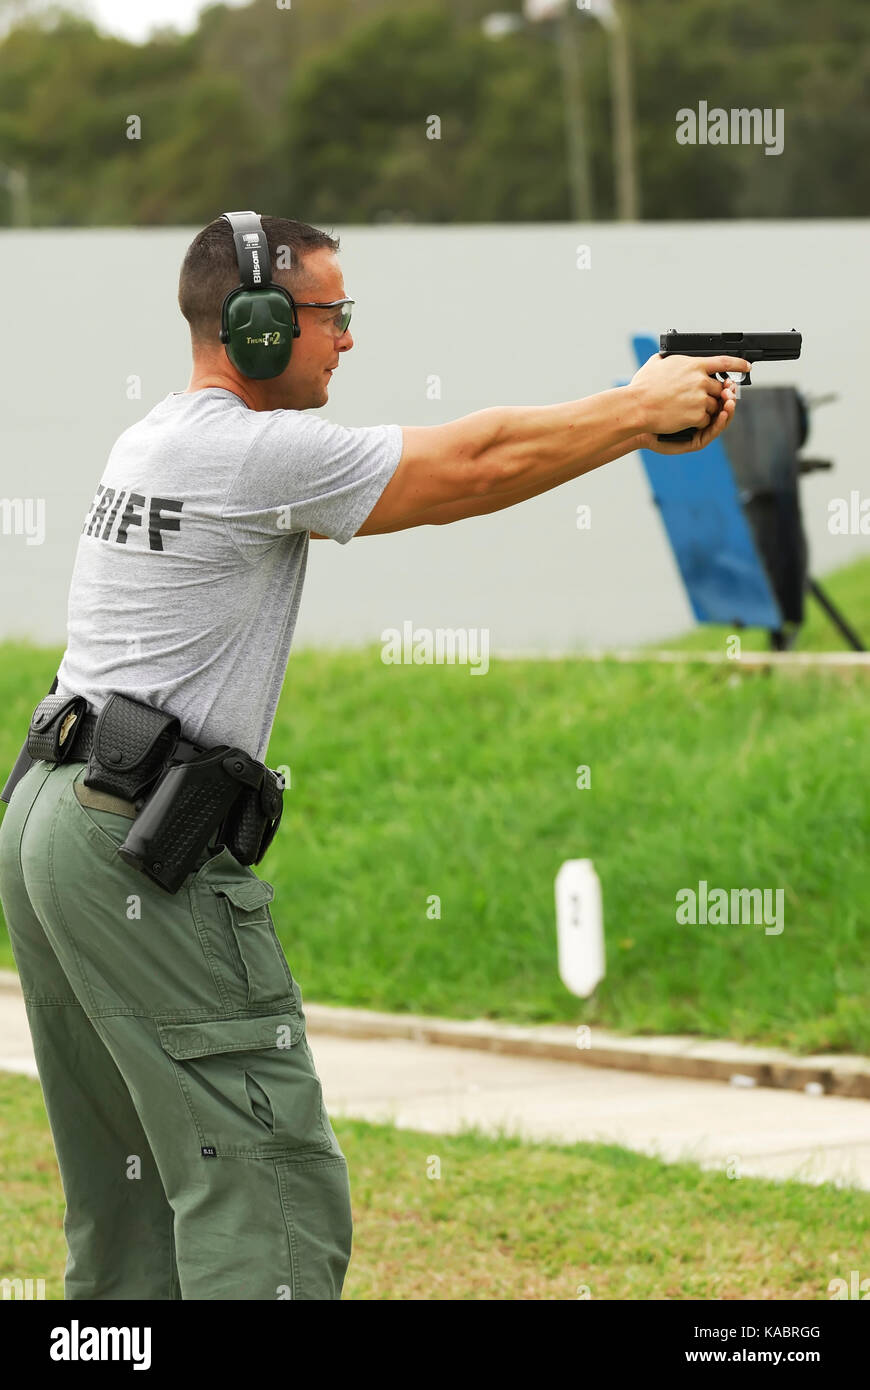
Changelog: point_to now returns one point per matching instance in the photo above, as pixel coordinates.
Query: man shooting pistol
(754, 347)
(145, 775)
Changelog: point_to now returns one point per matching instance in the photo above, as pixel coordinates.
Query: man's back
(190, 566)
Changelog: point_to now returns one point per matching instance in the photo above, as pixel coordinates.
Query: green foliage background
(321, 110)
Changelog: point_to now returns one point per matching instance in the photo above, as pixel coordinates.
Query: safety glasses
(341, 318)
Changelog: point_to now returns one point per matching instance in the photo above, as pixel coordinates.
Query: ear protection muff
(259, 319)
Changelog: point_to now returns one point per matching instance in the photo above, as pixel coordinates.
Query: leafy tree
(323, 109)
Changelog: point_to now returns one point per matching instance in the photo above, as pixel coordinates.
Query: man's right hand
(678, 392)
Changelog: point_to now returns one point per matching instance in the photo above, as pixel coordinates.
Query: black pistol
(752, 347)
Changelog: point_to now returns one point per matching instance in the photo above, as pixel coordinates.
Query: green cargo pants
(196, 1155)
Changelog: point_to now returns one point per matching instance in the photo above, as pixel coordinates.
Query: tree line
(368, 111)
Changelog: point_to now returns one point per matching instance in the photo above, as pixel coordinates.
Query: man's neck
(202, 378)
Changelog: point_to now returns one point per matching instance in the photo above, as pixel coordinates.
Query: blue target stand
(699, 503)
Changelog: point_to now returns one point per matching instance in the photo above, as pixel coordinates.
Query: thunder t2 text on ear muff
(258, 319)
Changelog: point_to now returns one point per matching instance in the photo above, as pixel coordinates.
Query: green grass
(508, 1220)
(414, 781)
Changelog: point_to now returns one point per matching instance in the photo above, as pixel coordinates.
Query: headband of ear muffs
(259, 319)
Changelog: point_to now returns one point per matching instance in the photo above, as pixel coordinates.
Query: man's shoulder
(189, 416)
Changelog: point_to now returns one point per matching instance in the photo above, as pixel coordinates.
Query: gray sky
(132, 19)
(135, 20)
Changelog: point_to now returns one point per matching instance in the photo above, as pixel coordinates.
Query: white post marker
(579, 926)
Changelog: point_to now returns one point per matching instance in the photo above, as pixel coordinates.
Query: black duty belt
(83, 743)
(184, 793)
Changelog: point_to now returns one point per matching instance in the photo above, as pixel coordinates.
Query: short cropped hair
(210, 270)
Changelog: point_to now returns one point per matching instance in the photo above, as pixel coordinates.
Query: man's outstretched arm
(497, 457)
(495, 502)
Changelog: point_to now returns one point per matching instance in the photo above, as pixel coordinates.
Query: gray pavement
(750, 1130)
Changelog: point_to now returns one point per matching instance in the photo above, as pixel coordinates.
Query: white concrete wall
(503, 316)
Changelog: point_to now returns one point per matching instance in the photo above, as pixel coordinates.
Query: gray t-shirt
(192, 556)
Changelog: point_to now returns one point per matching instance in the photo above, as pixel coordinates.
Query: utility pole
(610, 14)
(624, 161)
(16, 182)
(568, 44)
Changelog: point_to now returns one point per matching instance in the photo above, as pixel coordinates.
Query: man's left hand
(717, 426)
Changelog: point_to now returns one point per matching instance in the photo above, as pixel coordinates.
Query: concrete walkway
(753, 1130)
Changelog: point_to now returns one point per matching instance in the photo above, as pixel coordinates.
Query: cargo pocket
(251, 1088)
(255, 953)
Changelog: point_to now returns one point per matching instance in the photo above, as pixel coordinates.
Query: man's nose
(345, 343)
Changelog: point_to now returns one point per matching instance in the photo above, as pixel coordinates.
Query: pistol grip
(680, 437)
